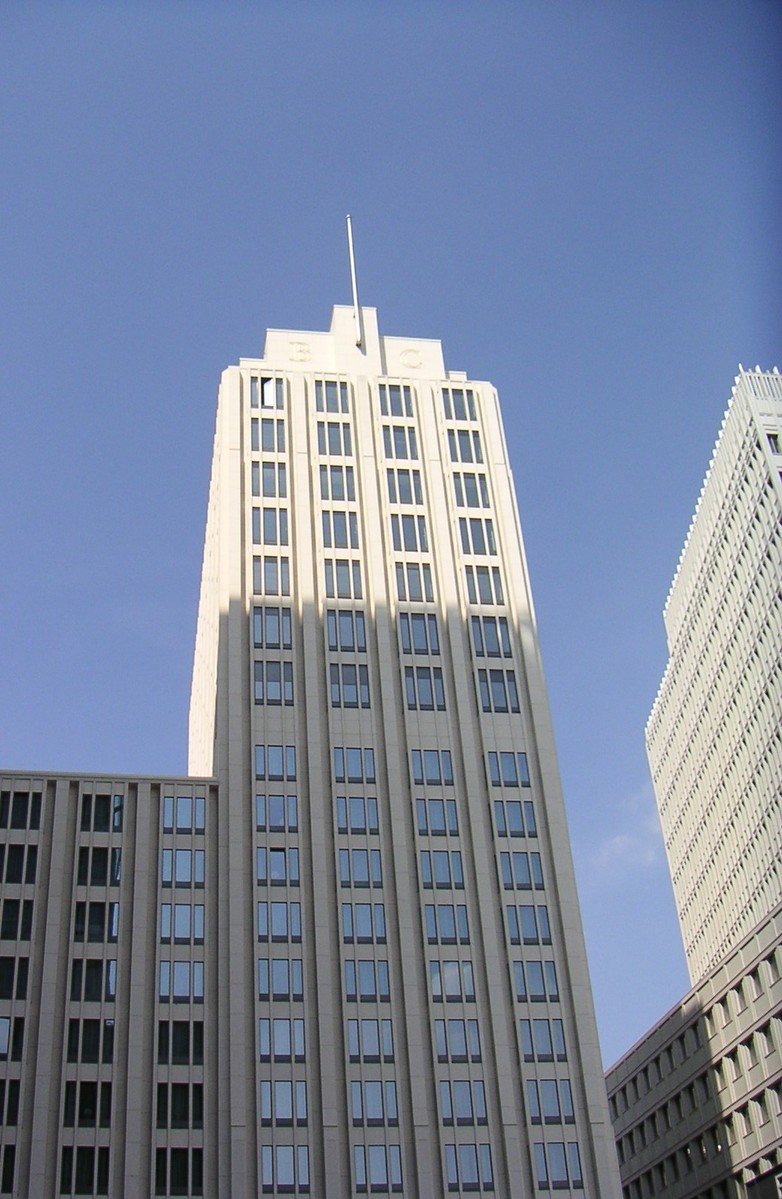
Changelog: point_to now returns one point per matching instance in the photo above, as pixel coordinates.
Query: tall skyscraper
(345, 956)
(368, 692)
(714, 736)
(697, 1105)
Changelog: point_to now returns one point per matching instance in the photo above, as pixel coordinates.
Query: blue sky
(581, 201)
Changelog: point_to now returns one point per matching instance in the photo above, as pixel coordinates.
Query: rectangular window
(535, 981)
(20, 809)
(465, 446)
(85, 1170)
(477, 536)
(414, 582)
(408, 534)
(404, 486)
(279, 921)
(285, 1169)
(470, 490)
(462, 1103)
(442, 868)
(432, 766)
(93, 867)
(515, 818)
(367, 980)
(484, 585)
(272, 628)
(452, 981)
(182, 867)
(550, 1101)
(457, 1040)
(275, 762)
(20, 864)
(283, 1102)
(360, 868)
(273, 682)
(267, 435)
(436, 817)
(180, 1105)
(9, 1108)
(269, 479)
(418, 633)
(185, 813)
(551, 1165)
(331, 396)
(334, 438)
(96, 813)
(182, 923)
(490, 636)
(180, 1043)
(399, 441)
(458, 403)
(346, 630)
(270, 526)
(469, 1168)
(377, 1168)
(363, 923)
(277, 867)
(179, 1172)
(340, 530)
(521, 871)
(91, 982)
(96, 922)
(281, 1040)
(374, 1103)
(277, 813)
(424, 690)
(542, 1040)
(357, 814)
(349, 685)
(266, 393)
(181, 982)
(337, 483)
(342, 578)
(508, 770)
(16, 923)
(446, 924)
(280, 978)
(497, 691)
(370, 1041)
(354, 765)
(395, 399)
(528, 924)
(271, 576)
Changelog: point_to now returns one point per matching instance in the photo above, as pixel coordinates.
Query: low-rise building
(697, 1104)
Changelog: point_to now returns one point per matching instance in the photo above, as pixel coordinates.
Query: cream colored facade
(714, 737)
(344, 957)
(697, 1104)
(366, 623)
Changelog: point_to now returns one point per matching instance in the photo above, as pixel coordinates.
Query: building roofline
(693, 991)
(103, 776)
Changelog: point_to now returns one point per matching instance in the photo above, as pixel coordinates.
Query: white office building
(714, 736)
(696, 1104)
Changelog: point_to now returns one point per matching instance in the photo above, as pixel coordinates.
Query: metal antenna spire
(356, 306)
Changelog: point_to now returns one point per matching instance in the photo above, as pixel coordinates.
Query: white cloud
(635, 842)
